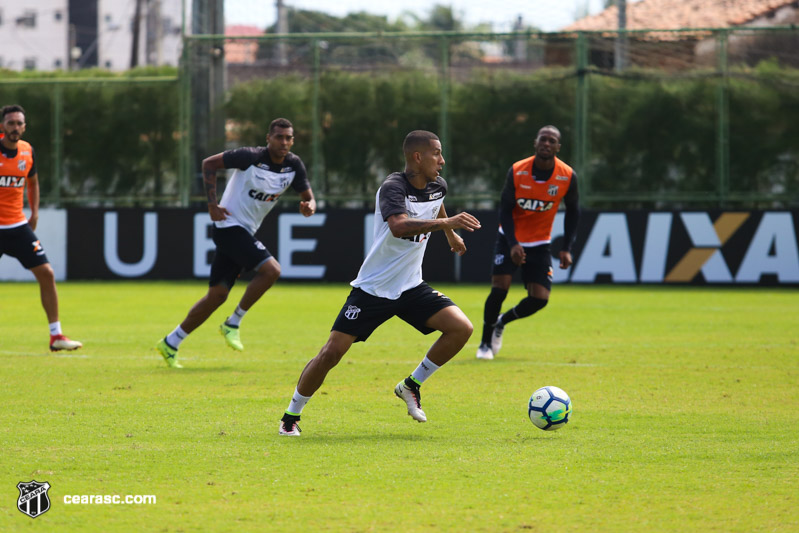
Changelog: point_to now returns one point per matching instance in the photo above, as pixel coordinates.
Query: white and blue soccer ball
(549, 408)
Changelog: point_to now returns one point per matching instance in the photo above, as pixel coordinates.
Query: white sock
(424, 370)
(297, 403)
(176, 337)
(55, 328)
(235, 319)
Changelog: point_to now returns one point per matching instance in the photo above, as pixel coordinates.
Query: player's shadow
(497, 361)
(194, 370)
(325, 438)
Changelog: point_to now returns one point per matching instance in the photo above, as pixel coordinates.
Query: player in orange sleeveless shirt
(18, 167)
(533, 190)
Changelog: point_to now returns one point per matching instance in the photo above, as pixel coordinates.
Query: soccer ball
(549, 408)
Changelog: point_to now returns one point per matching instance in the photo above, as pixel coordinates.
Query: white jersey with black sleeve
(394, 265)
(256, 185)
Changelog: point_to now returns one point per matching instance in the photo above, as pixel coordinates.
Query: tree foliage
(646, 135)
(439, 18)
(117, 139)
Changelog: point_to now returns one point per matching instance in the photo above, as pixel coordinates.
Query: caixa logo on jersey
(33, 500)
(531, 204)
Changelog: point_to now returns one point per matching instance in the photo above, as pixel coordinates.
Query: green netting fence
(650, 119)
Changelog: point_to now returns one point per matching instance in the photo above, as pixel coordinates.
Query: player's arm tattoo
(411, 226)
(209, 180)
(442, 213)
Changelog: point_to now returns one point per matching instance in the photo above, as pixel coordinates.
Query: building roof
(676, 14)
(243, 30)
(241, 50)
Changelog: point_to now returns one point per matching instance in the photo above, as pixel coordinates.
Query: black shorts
(362, 313)
(537, 267)
(22, 243)
(236, 252)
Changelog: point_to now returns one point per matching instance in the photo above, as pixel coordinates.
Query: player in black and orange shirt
(18, 168)
(533, 190)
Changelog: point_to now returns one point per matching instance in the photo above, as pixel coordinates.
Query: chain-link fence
(109, 140)
(705, 118)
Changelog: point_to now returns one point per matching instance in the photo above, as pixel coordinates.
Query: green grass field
(686, 415)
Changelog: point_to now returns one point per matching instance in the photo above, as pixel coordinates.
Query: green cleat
(169, 354)
(231, 335)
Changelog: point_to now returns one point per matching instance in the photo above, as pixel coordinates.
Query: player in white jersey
(409, 206)
(262, 175)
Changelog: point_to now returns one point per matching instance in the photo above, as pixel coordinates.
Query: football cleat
(169, 354)
(412, 397)
(485, 352)
(231, 335)
(61, 342)
(496, 336)
(289, 426)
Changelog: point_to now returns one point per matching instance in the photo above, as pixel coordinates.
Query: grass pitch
(686, 415)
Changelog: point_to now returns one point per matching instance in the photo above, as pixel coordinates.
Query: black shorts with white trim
(22, 243)
(537, 267)
(363, 313)
(236, 251)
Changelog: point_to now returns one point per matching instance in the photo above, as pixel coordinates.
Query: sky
(548, 15)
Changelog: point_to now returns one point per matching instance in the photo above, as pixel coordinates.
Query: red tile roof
(242, 29)
(241, 50)
(675, 14)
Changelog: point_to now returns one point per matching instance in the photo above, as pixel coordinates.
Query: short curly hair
(14, 108)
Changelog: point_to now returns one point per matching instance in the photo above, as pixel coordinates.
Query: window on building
(27, 20)
(59, 15)
(29, 63)
(57, 63)
(109, 24)
(171, 26)
(108, 65)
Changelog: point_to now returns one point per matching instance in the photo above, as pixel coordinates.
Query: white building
(159, 33)
(39, 34)
(34, 35)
